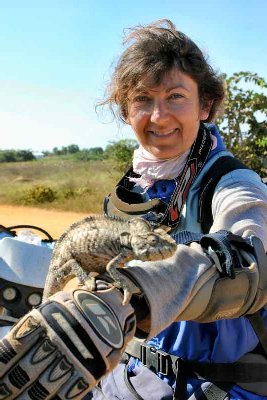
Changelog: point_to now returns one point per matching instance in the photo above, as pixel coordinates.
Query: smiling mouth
(163, 134)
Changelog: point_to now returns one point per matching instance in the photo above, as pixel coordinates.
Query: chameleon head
(148, 243)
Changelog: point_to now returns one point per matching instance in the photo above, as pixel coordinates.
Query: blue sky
(56, 57)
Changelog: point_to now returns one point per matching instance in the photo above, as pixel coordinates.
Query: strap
(219, 245)
(125, 203)
(196, 160)
(219, 168)
(209, 391)
(257, 323)
(6, 320)
(186, 237)
(156, 360)
(180, 391)
(129, 384)
(166, 364)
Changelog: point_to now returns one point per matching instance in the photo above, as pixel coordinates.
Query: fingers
(33, 368)
(25, 354)
(63, 348)
(46, 385)
(18, 341)
(76, 388)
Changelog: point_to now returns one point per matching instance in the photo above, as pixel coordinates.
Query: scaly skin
(97, 244)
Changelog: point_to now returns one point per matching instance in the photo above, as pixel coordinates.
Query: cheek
(193, 115)
(137, 118)
(187, 111)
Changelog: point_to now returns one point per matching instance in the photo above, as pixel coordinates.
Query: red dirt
(54, 222)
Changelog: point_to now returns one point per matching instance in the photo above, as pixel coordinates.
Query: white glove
(188, 286)
(65, 346)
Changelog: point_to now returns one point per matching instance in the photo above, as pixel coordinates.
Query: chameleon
(97, 244)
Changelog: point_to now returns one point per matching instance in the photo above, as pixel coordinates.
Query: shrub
(121, 153)
(16, 155)
(67, 193)
(39, 194)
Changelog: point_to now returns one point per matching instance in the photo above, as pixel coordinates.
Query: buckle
(179, 366)
(154, 359)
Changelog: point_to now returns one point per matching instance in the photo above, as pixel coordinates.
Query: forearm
(167, 286)
(189, 286)
(240, 205)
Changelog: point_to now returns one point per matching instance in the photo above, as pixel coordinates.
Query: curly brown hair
(152, 51)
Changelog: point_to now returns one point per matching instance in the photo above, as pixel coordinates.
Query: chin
(164, 154)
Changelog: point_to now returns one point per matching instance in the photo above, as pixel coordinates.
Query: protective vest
(215, 342)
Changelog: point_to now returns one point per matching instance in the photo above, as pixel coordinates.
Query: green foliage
(69, 192)
(77, 186)
(94, 153)
(73, 148)
(39, 194)
(70, 149)
(121, 153)
(245, 105)
(16, 155)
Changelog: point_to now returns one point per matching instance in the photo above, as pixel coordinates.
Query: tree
(7, 156)
(244, 123)
(24, 155)
(72, 148)
(94, 153)
(121, 152)
(56, 151)
(16, 155)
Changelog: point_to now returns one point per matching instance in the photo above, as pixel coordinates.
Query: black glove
(64, 347)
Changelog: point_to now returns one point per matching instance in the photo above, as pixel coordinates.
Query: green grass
(78, 185)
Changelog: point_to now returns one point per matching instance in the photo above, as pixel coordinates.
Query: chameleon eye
(152, 239)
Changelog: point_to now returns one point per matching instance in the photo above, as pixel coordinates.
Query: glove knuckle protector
(67, 345)
(246, 290)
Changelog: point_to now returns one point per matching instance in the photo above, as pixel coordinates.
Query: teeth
(163, 134)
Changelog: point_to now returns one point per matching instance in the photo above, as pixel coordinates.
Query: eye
(141, 98)
(176, 96)
(152, 239)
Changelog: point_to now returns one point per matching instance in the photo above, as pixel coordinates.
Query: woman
(167, 92)
(214, 287)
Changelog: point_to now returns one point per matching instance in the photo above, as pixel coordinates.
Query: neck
(152, 169)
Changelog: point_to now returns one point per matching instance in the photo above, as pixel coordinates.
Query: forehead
(171, 79)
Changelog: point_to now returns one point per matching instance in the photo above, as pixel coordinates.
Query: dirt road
(54, 222)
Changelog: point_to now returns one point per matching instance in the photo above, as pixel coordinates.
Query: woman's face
(166, 118)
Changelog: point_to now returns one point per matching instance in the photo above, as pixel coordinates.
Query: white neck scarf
(152, 169)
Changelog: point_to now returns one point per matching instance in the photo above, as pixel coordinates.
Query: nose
(159, 113)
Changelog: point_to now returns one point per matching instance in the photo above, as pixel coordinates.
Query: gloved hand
(65, 346)
(191, 286)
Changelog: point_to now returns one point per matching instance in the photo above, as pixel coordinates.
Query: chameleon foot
(128, 287)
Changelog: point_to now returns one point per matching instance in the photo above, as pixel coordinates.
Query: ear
(205, 111)
(139, 225)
